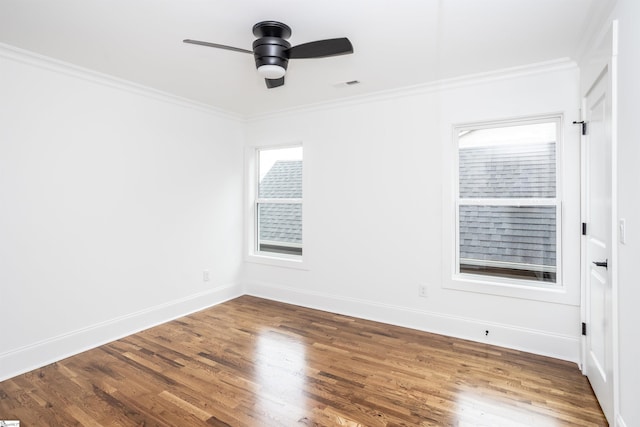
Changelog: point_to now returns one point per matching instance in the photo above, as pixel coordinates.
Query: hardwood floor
(253, 362)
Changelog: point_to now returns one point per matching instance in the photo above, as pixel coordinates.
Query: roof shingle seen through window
(508, 171)
(523, 235)
(281, 222)
(508, 234)
(283, 181)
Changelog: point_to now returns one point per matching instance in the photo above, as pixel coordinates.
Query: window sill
(511, 289)
(295, 262)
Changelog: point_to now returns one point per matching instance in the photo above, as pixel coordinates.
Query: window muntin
(278, 205)
(508, 209)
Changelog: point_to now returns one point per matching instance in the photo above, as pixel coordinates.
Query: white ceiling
(397, 43)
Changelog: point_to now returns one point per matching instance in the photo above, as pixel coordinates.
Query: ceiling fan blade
(271, 83)
(322, 48)
(216, 45)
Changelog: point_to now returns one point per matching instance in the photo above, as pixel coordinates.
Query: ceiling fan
(272, 52)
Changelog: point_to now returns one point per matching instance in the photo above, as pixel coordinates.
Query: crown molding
(55, 65)
(426, 88)
(51, 64)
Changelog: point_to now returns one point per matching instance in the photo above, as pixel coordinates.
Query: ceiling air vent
(349, 83)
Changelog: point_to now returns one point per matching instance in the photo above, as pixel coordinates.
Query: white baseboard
(25, 359)
(529, 340)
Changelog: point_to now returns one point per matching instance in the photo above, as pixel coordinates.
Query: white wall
(113, 200)
(628, 14)
(376, 173)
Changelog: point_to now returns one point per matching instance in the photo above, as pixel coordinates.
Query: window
(278, 202)
(507, 203)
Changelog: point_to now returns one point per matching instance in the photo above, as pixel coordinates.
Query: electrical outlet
(205, 275)
(422, 291)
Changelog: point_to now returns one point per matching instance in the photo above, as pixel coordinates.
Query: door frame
(602, 56)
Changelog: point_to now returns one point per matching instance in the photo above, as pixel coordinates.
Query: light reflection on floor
(280, 375)
(477, 410)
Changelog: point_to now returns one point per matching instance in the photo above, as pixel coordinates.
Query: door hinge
(584, 328)
(584, 228)
(584, 126)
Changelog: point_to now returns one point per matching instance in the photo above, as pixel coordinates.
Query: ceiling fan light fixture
(271, 71)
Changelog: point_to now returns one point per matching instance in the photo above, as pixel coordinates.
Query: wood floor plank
(253, 362)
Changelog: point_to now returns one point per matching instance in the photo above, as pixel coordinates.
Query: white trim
(277, 260)
(559, 346)
(620, 422)
(523, 289)
(583, 242)
(51, 64)
(38, 354)
(509, 122)
(436, 86)
(614, 218)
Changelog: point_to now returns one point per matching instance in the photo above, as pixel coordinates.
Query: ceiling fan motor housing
(271, 51)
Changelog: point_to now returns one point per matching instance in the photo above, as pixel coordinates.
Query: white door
(598, 249)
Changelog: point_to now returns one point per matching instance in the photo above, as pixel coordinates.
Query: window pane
(280, 172)
(508, 241)
(280, 227)
(508, 162)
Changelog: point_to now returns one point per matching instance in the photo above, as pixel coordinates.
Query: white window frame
(512, 287)
(252, 200)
